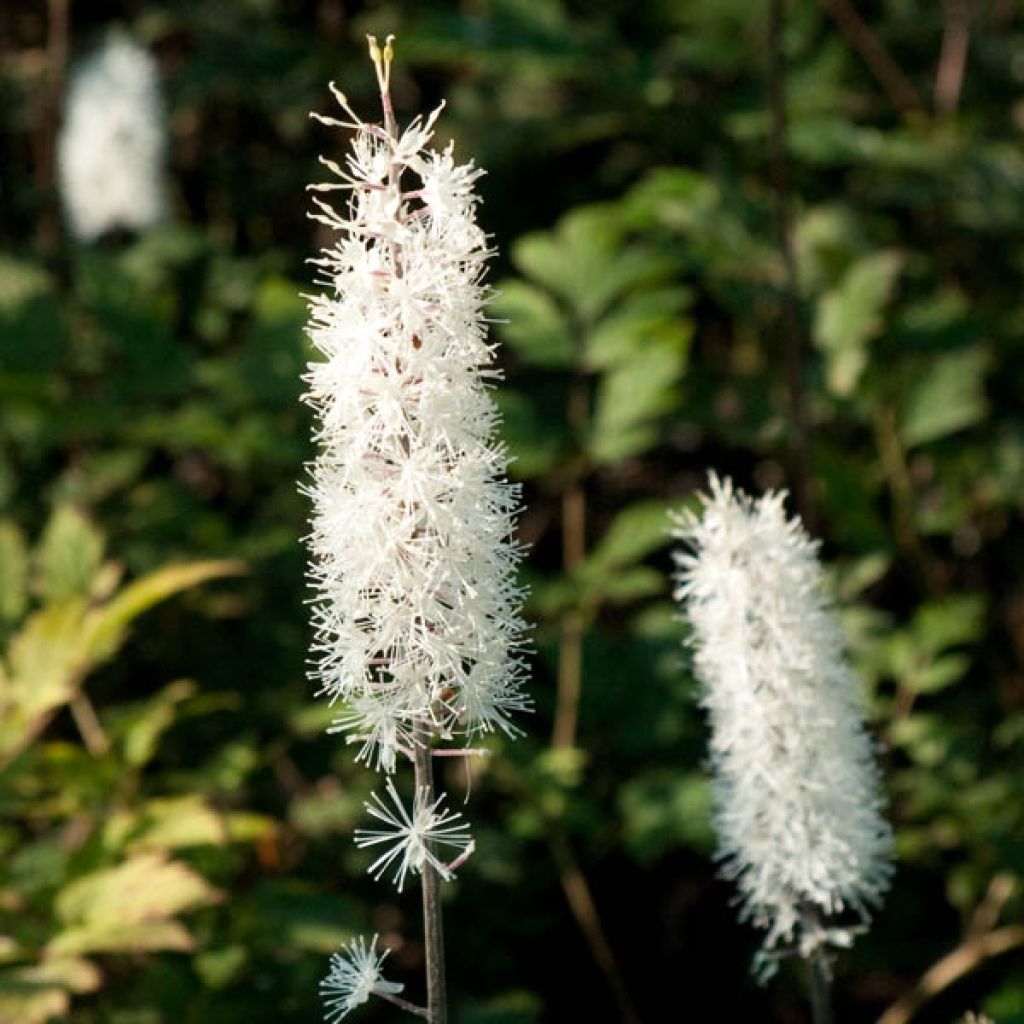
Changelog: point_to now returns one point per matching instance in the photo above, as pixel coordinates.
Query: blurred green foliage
(176, 829)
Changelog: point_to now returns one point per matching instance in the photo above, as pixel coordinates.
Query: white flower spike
(417, 610)
(409, 837)
(353, 977)
(111, 149)
(797, 800)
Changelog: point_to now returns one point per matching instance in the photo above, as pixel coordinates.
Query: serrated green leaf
(537, 329)
(588, 262)
(940, 673)
(949, 396)
(145, 888)
(641, 320)
(106, 624)
(630, 398)
(850, 316)
(633, 534)
(69, 555)
(535, 443)
(183, 821)
(140, 727)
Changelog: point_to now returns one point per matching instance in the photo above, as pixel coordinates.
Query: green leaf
(950, 622)
(105, 625)
(630, 398)
(642, 320)
(13, 572)
(850, 316)
(588, 262)
(537, 329)
(535, 442)
(183, 821)
(140, 726)
(632, 535)
(135, 937)
(131, 906)
(949, 396)
(69, 555)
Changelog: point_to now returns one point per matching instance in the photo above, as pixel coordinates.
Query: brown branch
(970, 954)
(949, 75)
(88, 725)
(584, 910)
(898, 87)
(48, 119)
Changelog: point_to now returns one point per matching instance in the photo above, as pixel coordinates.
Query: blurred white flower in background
(798, 805)
(112, 144)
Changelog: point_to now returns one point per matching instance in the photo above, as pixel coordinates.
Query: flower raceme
(418, 634)
(413, 558)
(797, 800)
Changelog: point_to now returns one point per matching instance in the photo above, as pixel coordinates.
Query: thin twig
(419, 1011)
(584, 910)
(898, 87)
(791, 326)
(88, 725)
(970, 954)
(949, 75)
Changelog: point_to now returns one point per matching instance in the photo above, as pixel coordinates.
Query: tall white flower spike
(112, 143)
(797, 799)
(417, 611)
(354, 976)
(418, 632)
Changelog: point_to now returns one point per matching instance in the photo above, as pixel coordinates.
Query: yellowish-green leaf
(146, 888)
(69, 555)
(105, 625)
(111, 937)
(13, 572)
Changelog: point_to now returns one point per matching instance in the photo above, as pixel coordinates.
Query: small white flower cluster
(110, 156)
(354, 976)
(417, 611)
(798, 807)
(409, 837)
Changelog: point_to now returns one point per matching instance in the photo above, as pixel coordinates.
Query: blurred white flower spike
(797, 797)
(112, 145)
(416, 612)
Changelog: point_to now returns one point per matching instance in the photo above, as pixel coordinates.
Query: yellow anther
(382, 60)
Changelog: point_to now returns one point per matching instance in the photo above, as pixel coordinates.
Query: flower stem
(817, 981)
(433, 932)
